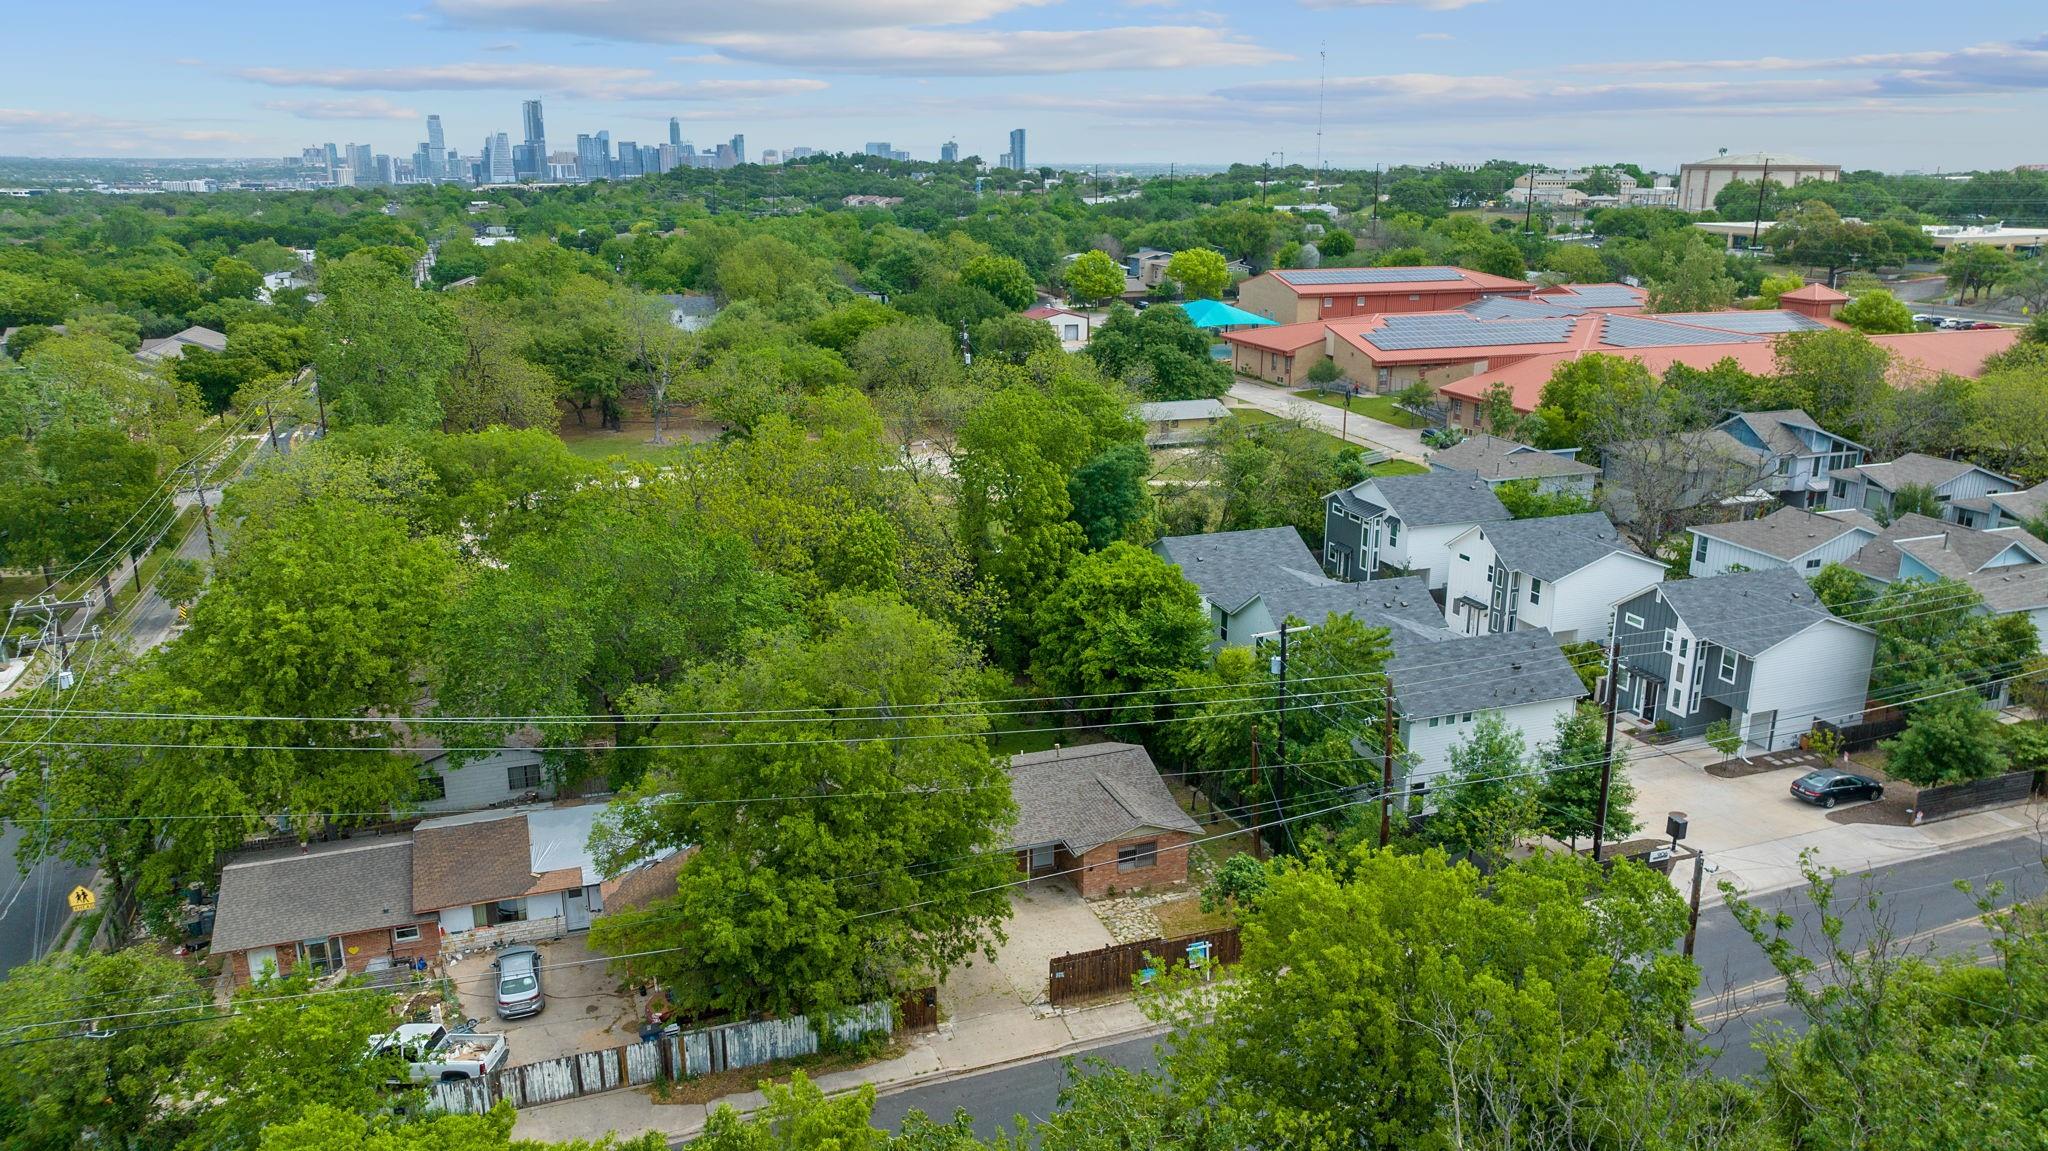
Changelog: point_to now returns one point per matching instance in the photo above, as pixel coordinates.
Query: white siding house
(1791, 538)
(1561, 574)
(1404, 524)
(1870, 487)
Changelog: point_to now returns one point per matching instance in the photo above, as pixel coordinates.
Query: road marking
(1751, 989)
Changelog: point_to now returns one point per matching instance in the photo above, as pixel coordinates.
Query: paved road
(1739, 999)
(21, 896)
(1361, 429)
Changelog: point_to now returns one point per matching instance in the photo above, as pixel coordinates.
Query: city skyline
(1140, 81)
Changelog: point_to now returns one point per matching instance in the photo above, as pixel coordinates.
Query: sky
(1874, 85)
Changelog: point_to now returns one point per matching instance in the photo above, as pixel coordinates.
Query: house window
(1467, 719)
(1677, 698)
(1684, 647)
(1841, 489)
(1223, 628)
(436, 786)
(1463, 558)
(1670, 641)
(1812, 564)
(1535, 591)
(1385, 377)
(405, 934)
(1137, 856)
(1727, 665)
(1457, 408)
(1328, 302)
(1434, 720)
(1359, 302)
(522, 776)
(1632, 619)
(1699, 549)
(1393, 532)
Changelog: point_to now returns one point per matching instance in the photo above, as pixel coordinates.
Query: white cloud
(662, 21)
(502, 46)
(595, 83)
(362, 108)
(961, 52)
(1433, 36)
(108, 134)
(1432, 5)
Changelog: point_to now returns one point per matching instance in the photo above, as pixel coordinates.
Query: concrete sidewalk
(991, 1041)
(1362, 430)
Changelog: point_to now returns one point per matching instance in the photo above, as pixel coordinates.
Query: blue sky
(1887, 85)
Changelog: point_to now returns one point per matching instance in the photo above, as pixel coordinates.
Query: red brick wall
(1098, 872)
(368, 945)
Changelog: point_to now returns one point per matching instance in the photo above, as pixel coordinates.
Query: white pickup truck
(433, 1055)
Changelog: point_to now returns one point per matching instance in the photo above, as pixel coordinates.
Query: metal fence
(1110, 969)
(676, 1055)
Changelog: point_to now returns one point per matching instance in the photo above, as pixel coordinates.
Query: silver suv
(519, 993)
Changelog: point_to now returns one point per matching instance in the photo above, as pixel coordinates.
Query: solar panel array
(1315, 276)
(1457, 330)
(1605, 295)
(1752, 323)
(1512, 308)
(1641, 332)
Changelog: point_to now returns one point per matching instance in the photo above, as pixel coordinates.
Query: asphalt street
(1921, 910)
(44, 888)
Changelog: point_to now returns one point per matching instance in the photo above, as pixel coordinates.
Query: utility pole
(205, 516)
(1607, 760)
(1529, 204)
(1387, 768)
(272, 425)
(52, 613)
(1280, 737)
(1756, 225)
(1258, 840)
(1375, 205)
(321, 396)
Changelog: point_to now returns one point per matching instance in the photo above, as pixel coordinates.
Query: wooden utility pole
(1387, 768)
(1756, 226)
(1607, 760)
(205, 516)
(1258, 841)
(1280, 740)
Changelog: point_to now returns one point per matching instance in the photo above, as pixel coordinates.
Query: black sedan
(1828, 787)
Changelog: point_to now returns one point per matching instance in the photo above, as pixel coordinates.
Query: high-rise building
(667, 158)
(629, 159)
(536, 132)
(879, 148)
(423, 165)
(800, 153)
(498, 159)
(1017, 148)
(949, 153)
(739, 149)
(438, 146)
(675, 133)
(362, 163)
(724, 159)
(770, 157)
(650, 159)
(387, 172)
(606, 169)
(590, 159)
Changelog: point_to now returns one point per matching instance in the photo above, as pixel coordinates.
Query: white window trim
(1631, 619)
(398, 934)
(1730, 664)
(1670, 641)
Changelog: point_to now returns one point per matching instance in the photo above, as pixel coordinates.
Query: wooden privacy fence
(676, 1055)
(1957, 798)
(1108, 969)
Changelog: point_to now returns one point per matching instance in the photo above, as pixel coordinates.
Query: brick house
(1100, 814)
(325, 906)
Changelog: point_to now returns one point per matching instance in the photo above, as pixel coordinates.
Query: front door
(262, 962)
(320, 956)
(576, 911)
(1763, 727)
(1648, 693)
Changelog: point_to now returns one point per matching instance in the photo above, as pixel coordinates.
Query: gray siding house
(1560, 574)
(1251, 581)
(1755, 648)
(1404, 524)
(1499, 461)
(2006, 566)
(2000, 509)
(1798, 453)
(1870, 487)
(1787, 538)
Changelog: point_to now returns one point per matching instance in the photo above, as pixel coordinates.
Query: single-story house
(1757, 649)
(322, 907)
(1789, 537)
(1101, 814)
(2000, 509)
(1560, 574)
(1499, 461)
(1254, 580)
(2007, 566)
(173, 346)
(1871, 487)
(1180, 421)
(529, 865)
(510, 775)
(1404, 524)
(1072, 327)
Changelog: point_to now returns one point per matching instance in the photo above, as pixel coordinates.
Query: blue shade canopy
(1217, 314)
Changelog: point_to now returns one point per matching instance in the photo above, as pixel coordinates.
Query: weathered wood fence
(677, 1055)
(1109, 969)
(1957, 798)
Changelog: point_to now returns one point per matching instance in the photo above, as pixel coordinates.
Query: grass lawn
(1186, 917)
(1379, 408)
(1397, 468)
(1254, 417)
(617, 447)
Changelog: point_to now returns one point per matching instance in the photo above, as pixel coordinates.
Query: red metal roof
(1283, 338)
(1428, 279)
(1818, 293)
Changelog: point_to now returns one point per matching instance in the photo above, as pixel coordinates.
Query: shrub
(1722, 738)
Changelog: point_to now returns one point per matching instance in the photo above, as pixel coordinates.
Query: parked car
(433, 1055)
(1955, 323)
(519, 993)
(1828, 787)
(1931, 321)
(1983, 325)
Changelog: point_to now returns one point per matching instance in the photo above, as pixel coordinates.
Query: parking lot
(586, 1008)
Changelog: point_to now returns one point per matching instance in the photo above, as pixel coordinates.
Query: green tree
(1525, 500)
(1877, 311)
(233, 279)
(1160, 353)
(1017, 453)
(1003, 277)
(1973, 269)
(1840, 378)
(1913, 499)
(1698, 282)
(1094, 277)
(324, 1128)
(1814, 235)
(914, 356)
(385, 347)
(1568, 793)
(1336, 243)
(490, 383)
(1485, 802)
(1202, 272)
(1110, 493)
(180, 580)
(1950, 738)
(1925, 629)
(2007, 426)
(1575, 264)
(1122, 621)
(782, 910)
(1578, 389)
(1778, 285)
(1013, 339)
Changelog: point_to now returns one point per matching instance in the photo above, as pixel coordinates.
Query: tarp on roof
(1217, 314)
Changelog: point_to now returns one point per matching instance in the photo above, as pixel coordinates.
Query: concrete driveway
(1363, 430)
(1752, 829)
(1048, 918)
(587, 1010)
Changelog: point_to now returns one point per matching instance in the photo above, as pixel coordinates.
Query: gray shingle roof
(1911, 468)
(1232, 567)
(1789, 533)
(287, 896)
(1751, 612)
(1492, 458)
(1436, 498)
(1478, 673)
(1182, 410)
(2021, 505)
(1775, 429)
(1556, 546)
(1087, 796)
(1959, 553)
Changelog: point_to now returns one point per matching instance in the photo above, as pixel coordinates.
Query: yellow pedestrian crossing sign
(82, 898)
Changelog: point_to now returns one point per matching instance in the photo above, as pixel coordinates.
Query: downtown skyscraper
(437, 150)
(531, 160)
(1016, 153)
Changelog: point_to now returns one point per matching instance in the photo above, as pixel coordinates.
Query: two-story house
(1499, 461)
(1757, 649)
(1799, 454)
(1252, 581)
(1871, 487)
(2000, 509)
(1561, 574)
(1787, 538)
(1444, 684)
(1404, 524)
(2006, 566)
